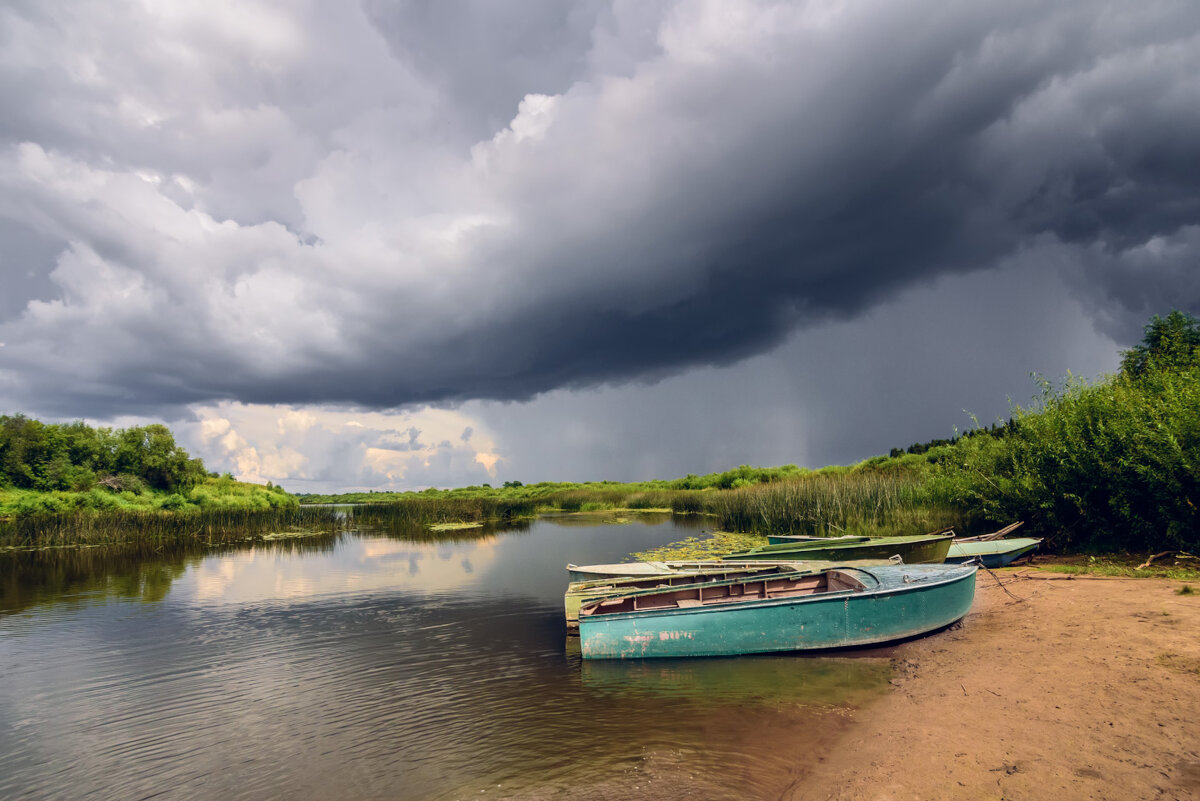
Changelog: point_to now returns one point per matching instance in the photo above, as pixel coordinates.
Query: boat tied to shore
(992, 553)
(831, 608)
(922, 549)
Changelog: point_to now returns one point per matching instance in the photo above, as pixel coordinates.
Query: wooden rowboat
(992, 553)
(833, 608)
(924, 549)
(579, 592)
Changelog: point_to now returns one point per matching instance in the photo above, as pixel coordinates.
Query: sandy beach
(1053, 687)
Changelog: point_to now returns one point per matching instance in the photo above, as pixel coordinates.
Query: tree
(1170, 343)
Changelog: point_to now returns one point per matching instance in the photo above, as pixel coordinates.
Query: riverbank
(1053, 687)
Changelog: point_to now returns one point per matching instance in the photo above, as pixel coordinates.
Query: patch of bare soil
(1076, 688)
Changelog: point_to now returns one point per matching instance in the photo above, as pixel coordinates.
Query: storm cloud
(403, 203)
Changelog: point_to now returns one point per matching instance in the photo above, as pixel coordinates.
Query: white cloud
(318, 449)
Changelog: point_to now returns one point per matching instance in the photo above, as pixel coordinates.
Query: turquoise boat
(833, 608)
(923, 549)
(993, 553)
(579, 592)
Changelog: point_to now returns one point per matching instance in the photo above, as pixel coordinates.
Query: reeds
(430, 511)
(835, 504)
(152, 526)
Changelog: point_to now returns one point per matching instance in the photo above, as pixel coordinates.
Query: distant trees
(740, 476)
(77, 457)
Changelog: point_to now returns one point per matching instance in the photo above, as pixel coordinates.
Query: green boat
(579, 592)
(923, 549)
(833, 608)
(992, 553)
(783, 539)
(675, 566)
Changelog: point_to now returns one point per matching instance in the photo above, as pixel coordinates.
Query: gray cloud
(920, 366)
(445, 202)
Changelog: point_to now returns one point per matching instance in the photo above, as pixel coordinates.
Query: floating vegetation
(454, 526)
(717, 544)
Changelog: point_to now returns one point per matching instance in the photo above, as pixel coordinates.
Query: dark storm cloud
(649, 191)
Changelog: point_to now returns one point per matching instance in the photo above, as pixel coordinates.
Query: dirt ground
(1076, 688)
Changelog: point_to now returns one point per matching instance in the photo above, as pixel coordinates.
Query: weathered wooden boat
(923, 549)
(992, 553)
(832, 608)
(670, 567)
(579, 592)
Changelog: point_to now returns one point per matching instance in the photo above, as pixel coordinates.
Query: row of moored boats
(793, 594)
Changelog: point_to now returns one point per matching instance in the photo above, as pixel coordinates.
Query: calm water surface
(371, 666)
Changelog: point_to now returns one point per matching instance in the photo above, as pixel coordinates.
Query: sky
(395, 244)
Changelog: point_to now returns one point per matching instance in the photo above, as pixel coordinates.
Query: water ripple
(399, 691)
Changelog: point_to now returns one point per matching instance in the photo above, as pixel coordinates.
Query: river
(366, 665)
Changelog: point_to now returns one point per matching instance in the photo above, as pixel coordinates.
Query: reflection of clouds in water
(212, 577)
(357, 565)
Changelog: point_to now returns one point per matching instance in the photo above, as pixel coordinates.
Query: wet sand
(1076, 688)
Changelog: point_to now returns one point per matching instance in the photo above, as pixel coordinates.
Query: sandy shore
(1077, 688)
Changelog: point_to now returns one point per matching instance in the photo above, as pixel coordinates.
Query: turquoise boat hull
(992, 553)
(896, 602)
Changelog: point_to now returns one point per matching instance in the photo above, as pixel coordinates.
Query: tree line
(77, 457)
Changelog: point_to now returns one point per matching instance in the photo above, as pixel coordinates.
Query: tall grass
(128, 526)
(425, 512)
(864, 502)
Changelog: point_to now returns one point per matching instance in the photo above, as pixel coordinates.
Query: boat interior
(598, 587)
(705, 595)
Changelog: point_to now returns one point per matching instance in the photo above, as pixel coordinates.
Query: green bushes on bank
(1108, 466)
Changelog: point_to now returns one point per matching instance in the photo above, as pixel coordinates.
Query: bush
(1107, 466)
(173, 502)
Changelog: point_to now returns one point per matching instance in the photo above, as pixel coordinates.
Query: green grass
(1122, 566)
